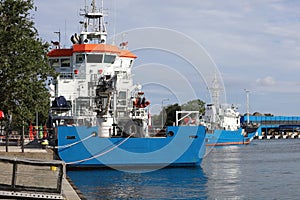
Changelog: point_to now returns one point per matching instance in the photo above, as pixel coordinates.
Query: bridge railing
(272, 120)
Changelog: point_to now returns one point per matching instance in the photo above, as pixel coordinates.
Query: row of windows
(62, 62)
(80, 58)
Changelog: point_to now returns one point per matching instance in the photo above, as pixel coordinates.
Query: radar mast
(93, 27)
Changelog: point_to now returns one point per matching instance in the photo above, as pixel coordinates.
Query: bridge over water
(275, 126)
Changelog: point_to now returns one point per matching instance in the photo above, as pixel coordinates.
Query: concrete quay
(33, 174)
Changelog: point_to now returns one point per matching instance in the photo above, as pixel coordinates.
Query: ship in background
(99, 117)
(223, 123)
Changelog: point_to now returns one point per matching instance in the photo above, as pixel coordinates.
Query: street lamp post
(247, 105)
(162, 112)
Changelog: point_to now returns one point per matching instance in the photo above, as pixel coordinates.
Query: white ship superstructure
(95, 86)
(221, 116)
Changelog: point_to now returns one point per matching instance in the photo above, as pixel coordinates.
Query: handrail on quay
(29, 178)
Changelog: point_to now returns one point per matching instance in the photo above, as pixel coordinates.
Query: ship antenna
(114, 23)
(93, 4)
(247, 105)
(215, 91)
(93, 26)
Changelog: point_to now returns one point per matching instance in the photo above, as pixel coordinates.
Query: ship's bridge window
(109, 59)
(80, 58)
(54, 62)
(65, 62)
(94, 58)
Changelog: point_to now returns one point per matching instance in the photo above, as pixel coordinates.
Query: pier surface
(34, 173)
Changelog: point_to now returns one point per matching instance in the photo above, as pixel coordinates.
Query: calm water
(261, 170)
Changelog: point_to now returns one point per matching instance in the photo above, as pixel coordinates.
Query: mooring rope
(100, 154)
(72, 144)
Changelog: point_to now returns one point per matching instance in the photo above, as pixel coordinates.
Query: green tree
(170, 111)
(23, 64)
(194, 105)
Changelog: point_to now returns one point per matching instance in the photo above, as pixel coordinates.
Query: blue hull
(78, 148)
(226, 137)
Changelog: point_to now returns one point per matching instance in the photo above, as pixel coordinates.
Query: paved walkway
(36, 153)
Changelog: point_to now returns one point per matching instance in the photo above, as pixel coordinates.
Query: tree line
(23, 65)
(167, 115)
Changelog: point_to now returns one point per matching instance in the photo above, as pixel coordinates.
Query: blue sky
(254, 44)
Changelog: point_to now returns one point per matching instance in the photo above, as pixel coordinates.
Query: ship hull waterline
(227, 138)
(183, 146)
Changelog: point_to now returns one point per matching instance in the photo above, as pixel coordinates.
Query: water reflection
(222, 166)
(261, 170)
(168, 183)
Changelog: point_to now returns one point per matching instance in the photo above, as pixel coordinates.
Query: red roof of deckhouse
(80, 48)
(60, 53)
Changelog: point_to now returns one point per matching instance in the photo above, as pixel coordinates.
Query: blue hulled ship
(99, 117)
(223, 123)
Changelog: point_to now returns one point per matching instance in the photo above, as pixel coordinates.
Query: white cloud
(266, 81)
